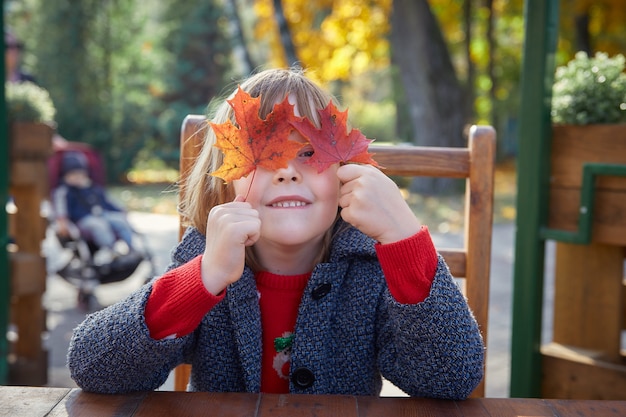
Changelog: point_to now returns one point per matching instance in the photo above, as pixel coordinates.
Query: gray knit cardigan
(349, 332)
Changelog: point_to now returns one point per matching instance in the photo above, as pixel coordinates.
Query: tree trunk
(240, 37)
(434, 95)
(492, 42)
(285, 34)
(470, 90)
(583, 38)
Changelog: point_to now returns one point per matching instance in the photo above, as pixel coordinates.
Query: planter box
(572, 373)
(572, 146)
(30, 141)
(30, 147)
(585, 360)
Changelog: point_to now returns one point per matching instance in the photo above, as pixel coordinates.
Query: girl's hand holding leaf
(230, 228)
(372, 203)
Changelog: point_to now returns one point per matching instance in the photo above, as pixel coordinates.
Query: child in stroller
(78, 200)
(93, 231)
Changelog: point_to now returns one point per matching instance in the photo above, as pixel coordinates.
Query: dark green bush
(27, 102)
(590, 90)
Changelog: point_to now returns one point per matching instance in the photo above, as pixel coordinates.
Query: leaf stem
(249, 186)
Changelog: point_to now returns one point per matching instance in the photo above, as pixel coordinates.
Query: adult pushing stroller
(86, 256)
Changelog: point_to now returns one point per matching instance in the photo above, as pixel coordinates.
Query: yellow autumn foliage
(335, 39)
(341, 39)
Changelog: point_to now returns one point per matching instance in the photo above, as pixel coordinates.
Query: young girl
(290, 281)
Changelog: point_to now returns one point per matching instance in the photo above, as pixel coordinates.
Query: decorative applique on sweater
(279, 298)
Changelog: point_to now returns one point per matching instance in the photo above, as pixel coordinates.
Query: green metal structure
(538, 66)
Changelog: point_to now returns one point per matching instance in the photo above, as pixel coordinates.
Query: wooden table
(55, 402)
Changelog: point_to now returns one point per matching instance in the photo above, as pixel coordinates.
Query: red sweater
(179, 300)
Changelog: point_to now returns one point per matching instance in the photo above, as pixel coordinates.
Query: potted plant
(590, 90)
(589, 125)
(31, 113)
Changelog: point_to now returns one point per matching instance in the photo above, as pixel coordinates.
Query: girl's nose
(290, 173)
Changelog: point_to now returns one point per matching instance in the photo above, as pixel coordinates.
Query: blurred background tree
(123, 73)
(196, 43)
(97, 61)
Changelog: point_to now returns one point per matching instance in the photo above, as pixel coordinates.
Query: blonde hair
(202, 191)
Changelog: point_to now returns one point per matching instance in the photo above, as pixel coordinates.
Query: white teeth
(289, 204)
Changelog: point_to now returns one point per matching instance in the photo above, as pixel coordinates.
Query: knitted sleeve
(433, 348)
(409, 266)
(111, 351)
(178, 301)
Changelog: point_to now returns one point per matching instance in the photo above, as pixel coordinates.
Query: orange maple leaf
(254, 142)
(332, 143)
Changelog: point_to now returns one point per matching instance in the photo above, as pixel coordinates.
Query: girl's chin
(291, 234)
(294, 227)
(286, 218)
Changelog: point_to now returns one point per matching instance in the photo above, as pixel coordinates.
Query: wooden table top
(56, 402)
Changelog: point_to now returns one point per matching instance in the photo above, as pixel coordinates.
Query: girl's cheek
(242, 187)
(238, 187)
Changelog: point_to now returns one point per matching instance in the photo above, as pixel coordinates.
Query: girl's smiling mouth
(289, 204)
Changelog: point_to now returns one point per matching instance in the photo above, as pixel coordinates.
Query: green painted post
(4, 232)
(541, 33)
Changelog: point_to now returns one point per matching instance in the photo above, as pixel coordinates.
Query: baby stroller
(77, 258)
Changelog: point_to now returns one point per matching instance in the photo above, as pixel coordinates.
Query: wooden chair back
(475, 163)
